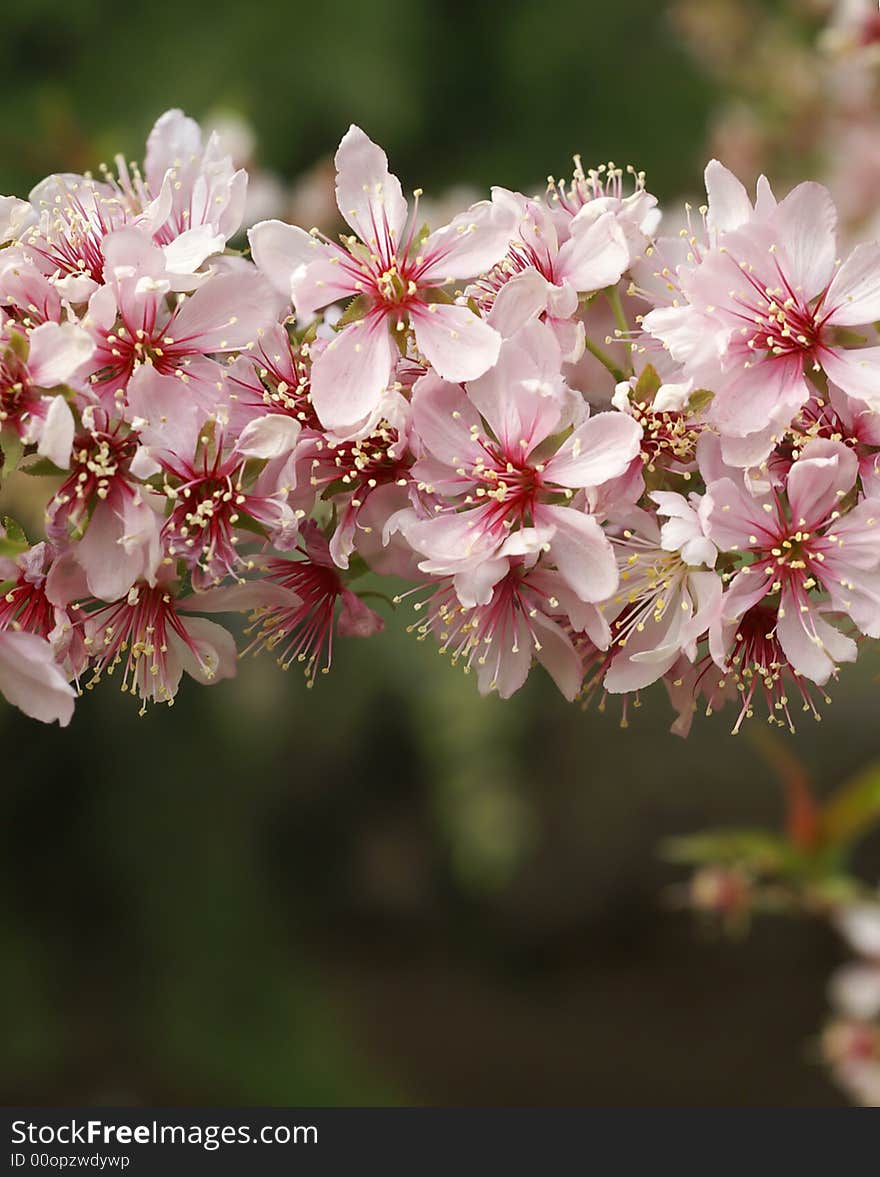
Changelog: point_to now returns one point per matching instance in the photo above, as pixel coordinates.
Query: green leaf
(12, 450)
(700, 399)
(438, 294)
(337, 486)
(754, 848)
(41, 467)
(15, 540)
(357, 567)
(248, 523)
(853, 809)
(19, 344)
(845, 337)
(648, 384)
(354, 312)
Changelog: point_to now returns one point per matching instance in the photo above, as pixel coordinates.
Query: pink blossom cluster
(628, 457)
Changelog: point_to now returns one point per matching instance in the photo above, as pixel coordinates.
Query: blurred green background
(385, 890)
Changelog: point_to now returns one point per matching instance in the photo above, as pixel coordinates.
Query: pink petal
(271, 436)
(326, 279)
(173, 140)
(857, 545)
(769, 390)
(168, 421)
(226, 314)
(369, 197)
(597, 451)
(352, 373)
(639, 664)
(765, 201)
(215, 646)
(15, 214)
(812, 646)
(817, 481)
(806, 222)
(119, 549)
(455, 342)
(581, 551)
(859, 596)
(558, 656)
(191, 248)
(507, 663)
(521, 298)
(746, 589)
(751, 450)
(857, 372)
(473, 241)
(357, 619)
(57, 350)
(734, 516)
(239, 598)
(521, 397)
(282, 252)
(443, 418)
(691, 337)
(854, 293)
(729, 204)
(31, 680)
(595, 255)
(450, 540)
(56, 435)
(476, 584)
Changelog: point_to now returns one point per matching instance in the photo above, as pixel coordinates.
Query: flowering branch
(218, 433)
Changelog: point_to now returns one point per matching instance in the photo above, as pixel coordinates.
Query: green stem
(612, 293)
(605, 360)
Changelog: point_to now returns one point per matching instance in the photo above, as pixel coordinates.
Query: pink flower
(499, 490)
(31, 364)
(837, 418)
(31, 298)
(209, 505)
(601, 190)
(671, 429)
(274, 376)
(529, 615)
(800, 550)
(190, 201)
(30, 677)
(546, 269)
(62, 239)
(399, 275)
(755, 669)
(669, 596)
(762, 300)
(27, 605)
(132, 324)
(103, 507)
(350, 473)
(199, 196)
(146, 635)
(301, 623)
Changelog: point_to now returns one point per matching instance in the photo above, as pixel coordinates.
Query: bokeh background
(387, 890)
